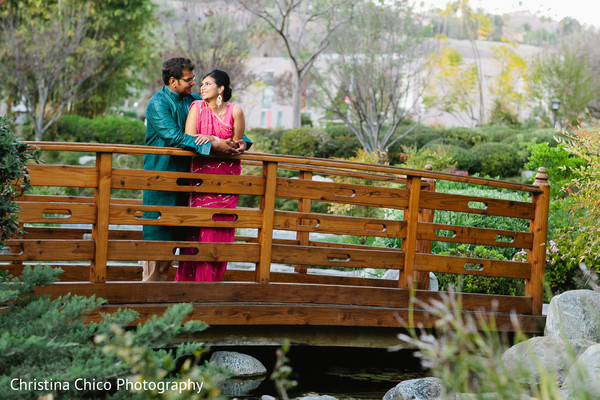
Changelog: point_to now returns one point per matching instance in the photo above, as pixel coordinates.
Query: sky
(587, 12)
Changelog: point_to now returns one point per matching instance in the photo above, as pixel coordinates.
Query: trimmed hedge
(447, 142)
(110, 129)
(496, 159)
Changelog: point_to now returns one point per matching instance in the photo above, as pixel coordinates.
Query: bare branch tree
(374, 80)
(45, 61)
(213, 40)
(305, 26)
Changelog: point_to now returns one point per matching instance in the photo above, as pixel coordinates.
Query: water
(341, 372)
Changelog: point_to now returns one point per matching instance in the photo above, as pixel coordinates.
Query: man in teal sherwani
(165, 126)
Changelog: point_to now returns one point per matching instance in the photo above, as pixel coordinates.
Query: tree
(453, 85)
(305, 26)
(477, 26)
(585, 42)
(508, 87)
(211, 39)
(47, 53)
(564, 75)
(130, 50)
(373, 80)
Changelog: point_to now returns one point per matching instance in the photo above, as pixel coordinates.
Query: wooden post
(100, 228)
(425, 215)
(304, 206)
(409, 245)
(534, 287)
(265, 234)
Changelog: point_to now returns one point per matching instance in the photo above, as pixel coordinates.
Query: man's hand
(225, 146)
(241, 145)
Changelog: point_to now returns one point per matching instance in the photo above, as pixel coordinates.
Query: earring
(219, 100)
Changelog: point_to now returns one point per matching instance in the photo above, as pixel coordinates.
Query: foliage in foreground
(466, 355)
(13, 156)
(45, 340)
(583, 202)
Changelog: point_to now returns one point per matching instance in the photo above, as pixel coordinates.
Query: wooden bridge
(95, 236)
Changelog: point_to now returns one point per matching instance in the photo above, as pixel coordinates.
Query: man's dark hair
(174, 67)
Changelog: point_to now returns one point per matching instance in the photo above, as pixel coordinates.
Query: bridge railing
(88, 218)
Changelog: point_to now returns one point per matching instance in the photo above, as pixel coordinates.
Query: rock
(574, 315)
(487, 396)
(234, 387)
(315, 396)
(416, 389)
(553, 354)
(394, 274)
(242, 365)
(584, 375)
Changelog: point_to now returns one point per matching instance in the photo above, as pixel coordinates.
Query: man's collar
(171, 93)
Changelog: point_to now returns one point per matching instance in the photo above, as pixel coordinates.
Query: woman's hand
(201, 139)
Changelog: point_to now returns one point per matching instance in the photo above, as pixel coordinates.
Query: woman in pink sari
(212, 119)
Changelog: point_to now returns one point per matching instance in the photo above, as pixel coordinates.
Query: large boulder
(416, 389)
(583, 378)
(242, 365)
(554, 355)
(574, 315)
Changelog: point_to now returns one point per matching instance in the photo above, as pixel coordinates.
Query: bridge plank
(62, 175)
(318, 315)
(342, 193)
(460, 203)
(49, 250)
(326, 223)
(273, 293)
(337, 257)
(457, 265)
(49, 232)
(125, 250)
(185, 216)
(179, 182)
(57, 213)
(481, 236)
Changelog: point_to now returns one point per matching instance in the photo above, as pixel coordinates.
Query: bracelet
(218, 138)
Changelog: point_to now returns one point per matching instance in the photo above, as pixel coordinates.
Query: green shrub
(559, 164)
(447, 142)
(265, 140)
(343, 142)
(418, 138)
(14, 155)
(299, 142)
(50, 341)
(439, 158)
(110, 129)
(544, 136)
(583, 233)
(498, 133)
(118, 130)
(467, 135)
(497, 159)
(71, 128)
